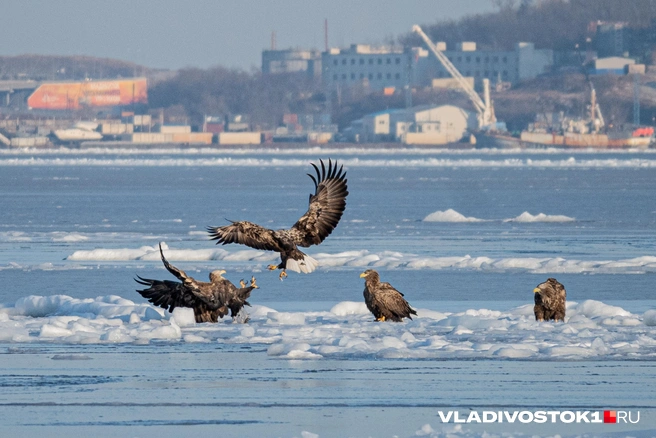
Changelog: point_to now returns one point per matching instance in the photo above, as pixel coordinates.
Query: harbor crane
(486, 117)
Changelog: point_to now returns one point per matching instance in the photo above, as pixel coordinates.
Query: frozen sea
(465, 235)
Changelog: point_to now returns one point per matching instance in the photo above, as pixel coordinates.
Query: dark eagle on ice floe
(550, 299)
(385, 302)
(326, 208)
(210, 301)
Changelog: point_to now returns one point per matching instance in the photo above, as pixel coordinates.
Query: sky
(172, 34)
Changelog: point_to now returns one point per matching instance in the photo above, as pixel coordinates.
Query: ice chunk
(527, 217)
(649, 318)
(449, 215)
(184, 316)
(350, 308)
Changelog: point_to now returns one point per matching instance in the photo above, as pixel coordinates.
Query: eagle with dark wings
(210, 301)
(385, 302)
(550, 297)
(327, 205)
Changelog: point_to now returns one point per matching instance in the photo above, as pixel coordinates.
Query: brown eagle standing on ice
(325, 210)
(550, 299)
(385, 302)
(210, 301)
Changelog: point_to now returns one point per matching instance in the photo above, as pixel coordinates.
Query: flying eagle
(385, 302)
(549, 301)
(210, 301)
(325, 210)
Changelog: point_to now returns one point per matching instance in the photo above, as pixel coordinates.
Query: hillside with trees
(69, 68)
(190, 94)
(550, 24)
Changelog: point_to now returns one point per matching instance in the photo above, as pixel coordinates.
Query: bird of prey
(326, 207)
(210, 301)
(385, 302)
(550, 297)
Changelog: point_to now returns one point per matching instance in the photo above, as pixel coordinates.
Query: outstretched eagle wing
(167, 294)
(245, 233)
(186, 280)
(326, 205)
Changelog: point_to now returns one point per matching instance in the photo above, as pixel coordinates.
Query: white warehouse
(426, 124)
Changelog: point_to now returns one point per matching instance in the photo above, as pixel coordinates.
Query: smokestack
(273, 40)
(325, 28)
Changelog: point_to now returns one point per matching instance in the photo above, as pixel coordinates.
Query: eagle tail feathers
(305, 266)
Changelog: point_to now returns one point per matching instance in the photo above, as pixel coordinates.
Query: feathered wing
(186, 280)
(167, 294)
(245, 233)
(392, 300)
(326, 205)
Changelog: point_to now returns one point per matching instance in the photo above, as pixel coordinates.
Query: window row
(370, 61)
(477, 59)
(370, 76)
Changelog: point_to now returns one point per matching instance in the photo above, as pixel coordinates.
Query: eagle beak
(363, 275)
(536, 290)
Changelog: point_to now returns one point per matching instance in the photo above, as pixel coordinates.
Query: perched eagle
(385, 302)
(549, 301)
(210, 301)
(325, 210)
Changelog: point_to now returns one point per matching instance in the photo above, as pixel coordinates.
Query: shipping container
(193, 138)
(240, 138)
(29, 142)
(214, 127)
(173, 129)
(148, 138)
(142, 120)
(116, 128)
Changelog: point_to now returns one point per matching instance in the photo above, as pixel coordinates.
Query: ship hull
(568, 140)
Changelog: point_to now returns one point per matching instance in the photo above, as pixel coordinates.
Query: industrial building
(425, 124)
(383, 67)
(612, 65)
(512, 66)
(374, 67)
(292, 61)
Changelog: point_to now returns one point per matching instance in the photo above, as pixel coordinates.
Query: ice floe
(449, 215)
(383, 259)
(592, 329)
(540, 217)
(350, 162)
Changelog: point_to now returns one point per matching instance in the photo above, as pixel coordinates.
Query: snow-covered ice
(383, 259)
(449, 215)
(592, 329)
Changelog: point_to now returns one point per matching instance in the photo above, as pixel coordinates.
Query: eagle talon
(272, 267)
(253, 285)
(282, 275)
(242, 283)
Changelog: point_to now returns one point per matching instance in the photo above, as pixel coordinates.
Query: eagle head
(217, 275)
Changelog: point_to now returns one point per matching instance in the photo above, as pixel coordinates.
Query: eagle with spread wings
(327, 205)
(210, 301)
